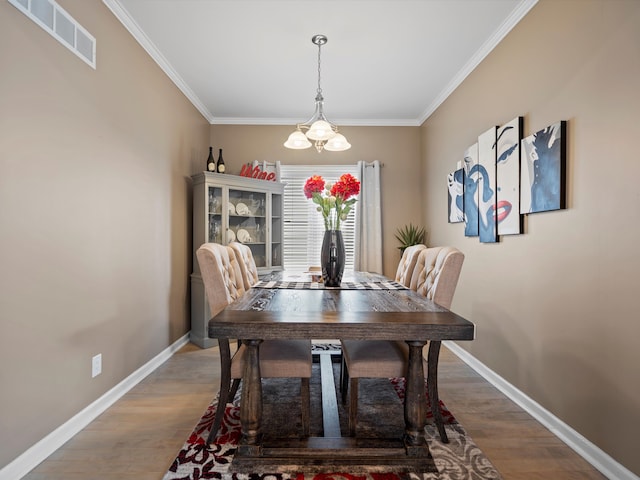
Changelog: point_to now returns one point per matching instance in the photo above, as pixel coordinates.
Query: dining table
(366, 306)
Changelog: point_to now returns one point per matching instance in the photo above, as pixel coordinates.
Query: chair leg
(223, 398)
(234, 389)
(432, 388)
(305, 405)
(344, 380)
(225, 388)
(353, 406)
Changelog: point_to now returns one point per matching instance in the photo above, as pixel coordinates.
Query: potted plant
(409, 235)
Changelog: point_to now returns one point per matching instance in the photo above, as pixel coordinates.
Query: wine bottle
(220, 167)
(211, 163)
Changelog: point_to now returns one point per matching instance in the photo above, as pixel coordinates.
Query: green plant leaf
(410, 235)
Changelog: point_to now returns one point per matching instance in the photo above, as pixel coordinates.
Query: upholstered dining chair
(248, 267)
(407, 264)
(435, 276)
(278, 358)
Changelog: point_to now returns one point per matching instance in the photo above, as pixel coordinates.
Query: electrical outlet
(96, 365)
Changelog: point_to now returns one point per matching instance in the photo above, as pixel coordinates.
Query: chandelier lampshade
(320, 130)
(337, 143)
(297, 141)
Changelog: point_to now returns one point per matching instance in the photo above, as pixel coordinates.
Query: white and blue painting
(508, 177)
(543, 170)
(486, 186)
(470, 197)
(455, 185)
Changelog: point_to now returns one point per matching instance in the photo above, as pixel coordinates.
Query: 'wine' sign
(251, 171)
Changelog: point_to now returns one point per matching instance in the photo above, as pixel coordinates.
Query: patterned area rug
(380, 408)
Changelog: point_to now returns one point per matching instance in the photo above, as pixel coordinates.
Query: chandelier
(324, 133)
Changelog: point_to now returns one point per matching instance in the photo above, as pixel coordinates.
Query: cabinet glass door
(276, 230)
(214, 213)
(247, 222)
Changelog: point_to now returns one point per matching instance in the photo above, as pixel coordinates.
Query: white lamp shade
(337, 144)
(320, 130)
(298, 141)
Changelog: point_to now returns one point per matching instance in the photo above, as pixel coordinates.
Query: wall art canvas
(543, 170)
(485, 184)
(508, 178)
(455, 187)
(470, 196)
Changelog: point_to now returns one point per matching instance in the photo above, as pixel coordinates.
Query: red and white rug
(460, 459)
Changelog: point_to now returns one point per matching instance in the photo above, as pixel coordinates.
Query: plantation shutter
(303, 224)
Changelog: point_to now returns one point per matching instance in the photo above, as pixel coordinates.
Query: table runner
(385, 285)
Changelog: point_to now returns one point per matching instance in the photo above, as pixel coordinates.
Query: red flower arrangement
(334, 201)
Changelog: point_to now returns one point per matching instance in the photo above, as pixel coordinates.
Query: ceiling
(386, 62)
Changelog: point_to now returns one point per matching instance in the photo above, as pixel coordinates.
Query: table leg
(251, 401)
(415, 402)
(432, 385)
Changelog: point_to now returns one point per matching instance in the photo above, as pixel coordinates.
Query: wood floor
(139, 436)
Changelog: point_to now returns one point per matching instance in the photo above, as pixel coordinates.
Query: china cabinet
(229, 208)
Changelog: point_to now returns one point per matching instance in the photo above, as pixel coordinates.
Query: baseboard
(49, 444)
(583, 447)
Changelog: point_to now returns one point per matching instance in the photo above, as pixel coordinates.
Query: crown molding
(123, 16)
(134, 29)
(502, 31)
(295, 121)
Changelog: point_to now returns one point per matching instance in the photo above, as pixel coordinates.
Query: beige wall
(95, 214)
(94, 218)
(398, 148)
(556, 308)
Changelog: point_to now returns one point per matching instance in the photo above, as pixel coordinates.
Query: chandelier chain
(319, 91)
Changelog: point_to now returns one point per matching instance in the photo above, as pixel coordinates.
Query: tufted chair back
(237, 272)
(220, 274)
(436, 274)
(247, 264)
(407, 264)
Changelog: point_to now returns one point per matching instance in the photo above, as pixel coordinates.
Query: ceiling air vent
(62, 26)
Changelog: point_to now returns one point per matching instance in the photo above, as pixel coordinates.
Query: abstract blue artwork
(504, 177)
(470, 196)
(486, 186)
(543, 170)
(455, 184)
(508, 176)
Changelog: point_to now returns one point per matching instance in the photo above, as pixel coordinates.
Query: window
(303, 224)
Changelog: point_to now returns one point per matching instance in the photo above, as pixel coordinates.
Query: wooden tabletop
(269, 313)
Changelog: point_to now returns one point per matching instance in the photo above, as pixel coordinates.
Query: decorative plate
(242, 209)
(231, 236)
(243, 236)
(232, 208)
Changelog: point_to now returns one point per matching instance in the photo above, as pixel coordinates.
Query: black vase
(332, 258)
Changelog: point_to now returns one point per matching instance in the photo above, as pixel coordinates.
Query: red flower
(315, 184)
(334, 204)
(347, 186)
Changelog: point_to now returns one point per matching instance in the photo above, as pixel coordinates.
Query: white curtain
(368, 251)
